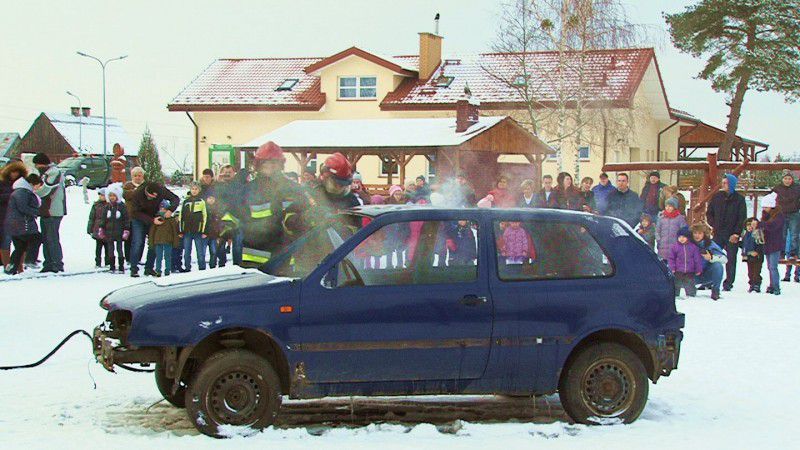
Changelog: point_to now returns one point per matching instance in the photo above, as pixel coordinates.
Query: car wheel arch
(256, 340)
(628, 338)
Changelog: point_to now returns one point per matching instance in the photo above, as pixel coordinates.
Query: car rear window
(538, 250)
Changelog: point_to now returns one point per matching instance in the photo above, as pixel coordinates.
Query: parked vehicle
(547, 301)
(97, 168)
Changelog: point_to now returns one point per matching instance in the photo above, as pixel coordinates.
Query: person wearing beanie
(94, 227)
(772, 225)
(115, 226)
(670, 220)
(789, 200)
(357, 188)
(726, 214)
(651, 193)
(396, 196)
(144, 212)
(52, 211)
(422, 190)
(685, 262)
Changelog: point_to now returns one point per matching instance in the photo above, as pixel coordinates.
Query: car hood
(189, 285)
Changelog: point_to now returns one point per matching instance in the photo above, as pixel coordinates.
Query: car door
(399, 306)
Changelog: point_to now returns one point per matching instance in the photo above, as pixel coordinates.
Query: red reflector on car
(287, 309)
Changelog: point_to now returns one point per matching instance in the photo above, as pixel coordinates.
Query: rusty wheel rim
(238, 397)
(607, 388)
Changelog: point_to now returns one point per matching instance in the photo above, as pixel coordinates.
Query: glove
(101, 233)
(125, 235)
(451, 245)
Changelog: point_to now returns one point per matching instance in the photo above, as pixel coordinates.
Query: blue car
(406, 300)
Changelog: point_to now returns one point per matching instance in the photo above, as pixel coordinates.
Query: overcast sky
(169, 42)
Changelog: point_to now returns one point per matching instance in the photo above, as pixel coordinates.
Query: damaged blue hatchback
(404, 300)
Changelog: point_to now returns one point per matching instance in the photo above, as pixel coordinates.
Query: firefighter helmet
(269, 151)
(340, 168)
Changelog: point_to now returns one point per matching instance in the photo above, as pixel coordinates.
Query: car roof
(375, 211)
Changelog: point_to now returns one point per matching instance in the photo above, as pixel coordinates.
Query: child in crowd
(93, 227)
(194, 227)
(714, 259)
(647, 230)
(772, 222)
(461, 245)
(115, 226)
(670, 220)
(752, 245)
(164, 238)
(517, 246)
(685, 262)
(20, 222)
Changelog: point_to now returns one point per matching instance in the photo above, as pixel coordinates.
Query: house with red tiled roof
(233, 102)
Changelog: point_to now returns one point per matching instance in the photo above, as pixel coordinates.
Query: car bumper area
(667, 352)
(109, 349)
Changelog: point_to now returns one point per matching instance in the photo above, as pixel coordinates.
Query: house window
(444, 81)
(353, 88)
(287, 85)
(520, 81)
(583, 153)
(389, 165)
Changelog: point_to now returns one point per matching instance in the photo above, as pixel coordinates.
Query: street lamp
(103, 65)
(80, 121)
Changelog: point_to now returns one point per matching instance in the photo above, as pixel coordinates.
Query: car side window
(403, 253)
(537, 250)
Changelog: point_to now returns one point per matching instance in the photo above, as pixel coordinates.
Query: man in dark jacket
(144, 205)
(726, 214)
(651, 193)
(623, 203)
(546, 198)
(601, 192)
(789, 201)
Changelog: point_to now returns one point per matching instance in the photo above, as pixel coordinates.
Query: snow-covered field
(736, 386)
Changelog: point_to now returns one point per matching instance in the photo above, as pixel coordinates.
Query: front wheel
(233, 387)
(165, 387)
(604, 381)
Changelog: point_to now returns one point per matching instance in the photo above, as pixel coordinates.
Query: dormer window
(288, 84)
(443, 81)
(358, 88)
(520, 81)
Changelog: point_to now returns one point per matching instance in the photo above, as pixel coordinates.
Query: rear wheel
(604, 381)
(233, 387)
(165, 387)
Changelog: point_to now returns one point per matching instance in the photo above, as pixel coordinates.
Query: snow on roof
(85, 134)
(7, 140)
(372, 133)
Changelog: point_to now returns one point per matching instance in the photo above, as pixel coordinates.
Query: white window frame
(384, 174)
(357, 87)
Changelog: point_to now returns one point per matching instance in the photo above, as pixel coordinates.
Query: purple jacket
(773, 234)
(685, 258)
(667, 233)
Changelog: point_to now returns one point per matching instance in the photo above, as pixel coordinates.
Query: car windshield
(303, 255)
(69, 162)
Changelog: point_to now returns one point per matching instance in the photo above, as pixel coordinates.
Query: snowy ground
(735, 388)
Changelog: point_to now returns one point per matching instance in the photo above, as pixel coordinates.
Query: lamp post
(80, 121)
(103, 65)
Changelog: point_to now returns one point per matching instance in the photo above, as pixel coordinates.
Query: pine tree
(148, 158)
(748, 44)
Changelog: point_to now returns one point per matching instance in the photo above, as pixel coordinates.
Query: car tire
(605, 383)
(233, 387)
(164, 384)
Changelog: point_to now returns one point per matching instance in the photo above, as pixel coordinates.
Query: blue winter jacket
(601, 196)
(23, 209)
(717, 254)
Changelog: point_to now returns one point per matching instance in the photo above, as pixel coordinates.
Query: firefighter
(268, 197)
(331, 194)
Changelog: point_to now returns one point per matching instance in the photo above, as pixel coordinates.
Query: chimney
(86, 111)
(430, 54)
(75, 111)
(467, 111)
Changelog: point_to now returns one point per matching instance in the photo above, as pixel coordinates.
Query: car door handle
(472, 300)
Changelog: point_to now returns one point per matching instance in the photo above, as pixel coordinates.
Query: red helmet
(339, 167)
(269, 152)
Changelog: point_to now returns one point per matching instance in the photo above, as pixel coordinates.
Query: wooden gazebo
(475, 150)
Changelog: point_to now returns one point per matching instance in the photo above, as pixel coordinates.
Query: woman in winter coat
(567, 195)
(10, 173)
(115, 226)
(772, 222)
(670, 221)
(20, 220)
(501, 196)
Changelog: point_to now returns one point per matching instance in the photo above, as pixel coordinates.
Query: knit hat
(769, 201)
(195, 184)
(787, 173)
(395, 188)
(672, 201)
(655, 174)
(164, 204)
(116, 189)
(41, 158)
(420, 177)
(101, 191)
(357, 177)
(732, 181)
(686, 232)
